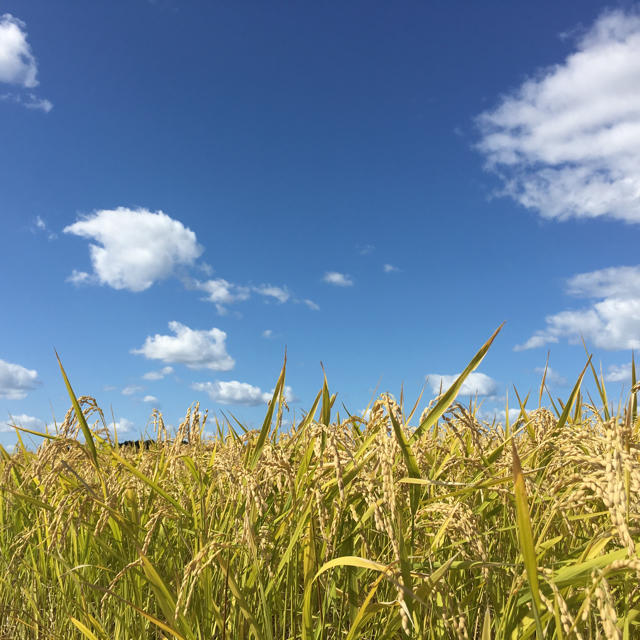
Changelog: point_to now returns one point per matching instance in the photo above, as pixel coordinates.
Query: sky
(189, 188)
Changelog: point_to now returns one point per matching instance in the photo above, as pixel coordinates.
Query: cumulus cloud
(131, 389)
(565, 142)
(619, 373)
(475, 383)
(159, 374)
(17, 62)
(234, 392)
(197, 349)
(389, 268)
(612, 322)
(338, 279)
(149, 399)
(133, 249)
(22, 420)
(267, 333)
(122, 426)
(16, 381)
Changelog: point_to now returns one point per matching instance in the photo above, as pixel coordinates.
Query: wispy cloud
(267, 333)
(39, 225)
(197, 349)
(22, 420)
(338, 279)
(150, 399)
(159, 374)
(619, 373)
(365, 249)
(28, 100)
(552, 377)
(475, 383)
(281, 294)
(311, 304)
(499, 415)
(131, 389)
(241, 393)
(16, 381)
(612, 323)
(133, 249)
(224, 293)
(389, 268)
(565, 143)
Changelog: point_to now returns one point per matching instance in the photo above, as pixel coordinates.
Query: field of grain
(416, 523)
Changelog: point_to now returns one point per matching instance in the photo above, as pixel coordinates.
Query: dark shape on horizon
(145, 444)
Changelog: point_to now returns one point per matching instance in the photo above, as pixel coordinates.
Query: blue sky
(188, 187)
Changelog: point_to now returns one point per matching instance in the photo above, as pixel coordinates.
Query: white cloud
(135, 248)
(149, 399)
(81, 277)
(205, 267)
(552, 376)
(28, 100)
(37, 104)
(613, 282)
(40, 225)
(22, 420)
(234, 392)
(159, 374)
(198, 349)
(338, 279)
(311, 304)
(474, 383)
(612, 323)
(499, 415)
(267, 333)
(221, 292)
(16, 381)
(131, 389)
(619, 373)
(121, 426)
(17, 62)
(565, 142)
(365, 249)
(389, 268)
(279, 293)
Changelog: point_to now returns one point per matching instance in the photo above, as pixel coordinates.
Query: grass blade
(86, 432)
(445, 402)
(266, 425)
(525, 536)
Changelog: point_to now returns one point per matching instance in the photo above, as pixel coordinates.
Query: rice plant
(397, 525)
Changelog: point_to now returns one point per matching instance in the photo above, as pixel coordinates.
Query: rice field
(409, 523)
